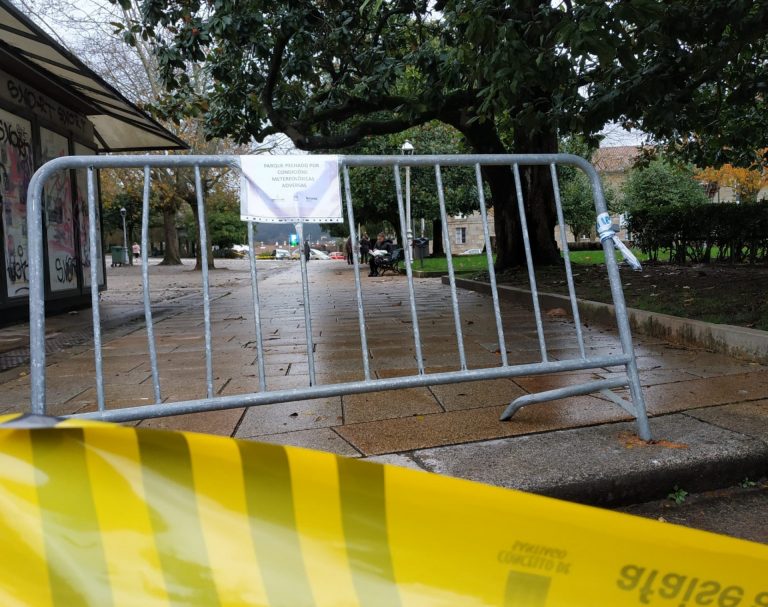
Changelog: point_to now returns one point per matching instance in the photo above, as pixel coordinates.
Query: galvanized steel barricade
(635, 406)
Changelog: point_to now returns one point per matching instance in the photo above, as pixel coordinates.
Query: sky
(615, 135)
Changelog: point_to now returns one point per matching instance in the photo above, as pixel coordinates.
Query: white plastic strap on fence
(605, 231)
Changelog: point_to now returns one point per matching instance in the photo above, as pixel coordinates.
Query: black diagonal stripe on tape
(269, 497)
(526, 590)
(364, 518)
(172, 504)
(74, 551)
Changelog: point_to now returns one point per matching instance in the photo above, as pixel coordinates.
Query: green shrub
(669, 211)
(703, 233)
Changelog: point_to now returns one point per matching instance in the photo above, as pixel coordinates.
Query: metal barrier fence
(635, 406)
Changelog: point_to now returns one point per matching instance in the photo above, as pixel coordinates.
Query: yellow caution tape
(97, 514)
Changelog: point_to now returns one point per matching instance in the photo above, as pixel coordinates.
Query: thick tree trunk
(198, 248)
(537, 195)
(438, 248)
(171, 255)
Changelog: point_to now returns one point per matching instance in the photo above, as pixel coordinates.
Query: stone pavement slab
(396, 404)
(606, 465)
(322, 439)
(489, 393)
(480, 424)
(750, 419)
(222, 423)
(290, 417)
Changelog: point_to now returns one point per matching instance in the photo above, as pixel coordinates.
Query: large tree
(509, 76)
(373, 188)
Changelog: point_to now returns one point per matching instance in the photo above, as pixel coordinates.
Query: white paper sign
(295, 189)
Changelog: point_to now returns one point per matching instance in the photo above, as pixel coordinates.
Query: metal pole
(94, 268)
(126, 257)
(408, 229)
(407, 150)
(307, 312)
(201, 227)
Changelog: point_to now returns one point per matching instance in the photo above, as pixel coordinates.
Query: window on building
(461, 235)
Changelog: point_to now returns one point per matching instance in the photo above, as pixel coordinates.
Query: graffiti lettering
(41, 105)
(32, 99)
(69, 118)
(86, 253)
(55, 193)
(16, 138)
(65, 269)
(17, 270)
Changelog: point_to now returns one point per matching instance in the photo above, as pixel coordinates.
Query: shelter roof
(119, 125)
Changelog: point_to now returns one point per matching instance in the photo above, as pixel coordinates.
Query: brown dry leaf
(669, 444)
(631, 441)
(557, 313)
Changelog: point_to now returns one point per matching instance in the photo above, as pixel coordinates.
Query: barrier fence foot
(580, 390)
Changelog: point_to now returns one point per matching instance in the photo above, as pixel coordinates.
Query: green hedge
(703, 232)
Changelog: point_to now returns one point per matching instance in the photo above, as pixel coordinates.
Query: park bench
(390, 262)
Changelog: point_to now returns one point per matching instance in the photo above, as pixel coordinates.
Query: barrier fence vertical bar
(620, 307)
(206, 286)
(567, 258)
(529, 261)
(94, 268)
(145, 284)
(256, 309)
(36, 294)
(358, 288)
(451, 274)
(491, 269)
(307, 314)
(409, 273)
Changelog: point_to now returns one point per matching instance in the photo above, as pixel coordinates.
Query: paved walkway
(451, 429)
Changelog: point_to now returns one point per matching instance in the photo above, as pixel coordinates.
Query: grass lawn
(461, 263)
(478, 263)
(592, 257)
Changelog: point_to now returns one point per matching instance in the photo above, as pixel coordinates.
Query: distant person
(365, 246)
(348, 249)
(306, 250)
(136, 250)
(382, 244)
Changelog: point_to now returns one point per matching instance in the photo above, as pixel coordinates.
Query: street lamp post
(407, 150)
(126, 257)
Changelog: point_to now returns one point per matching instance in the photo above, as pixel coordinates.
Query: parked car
(337, 255)
(315, 254)
(282, 254)
(472, 252)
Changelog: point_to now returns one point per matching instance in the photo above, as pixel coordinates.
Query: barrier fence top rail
(636, 404)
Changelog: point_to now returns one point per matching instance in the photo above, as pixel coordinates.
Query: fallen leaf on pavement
(556, 313)
(632, 441)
